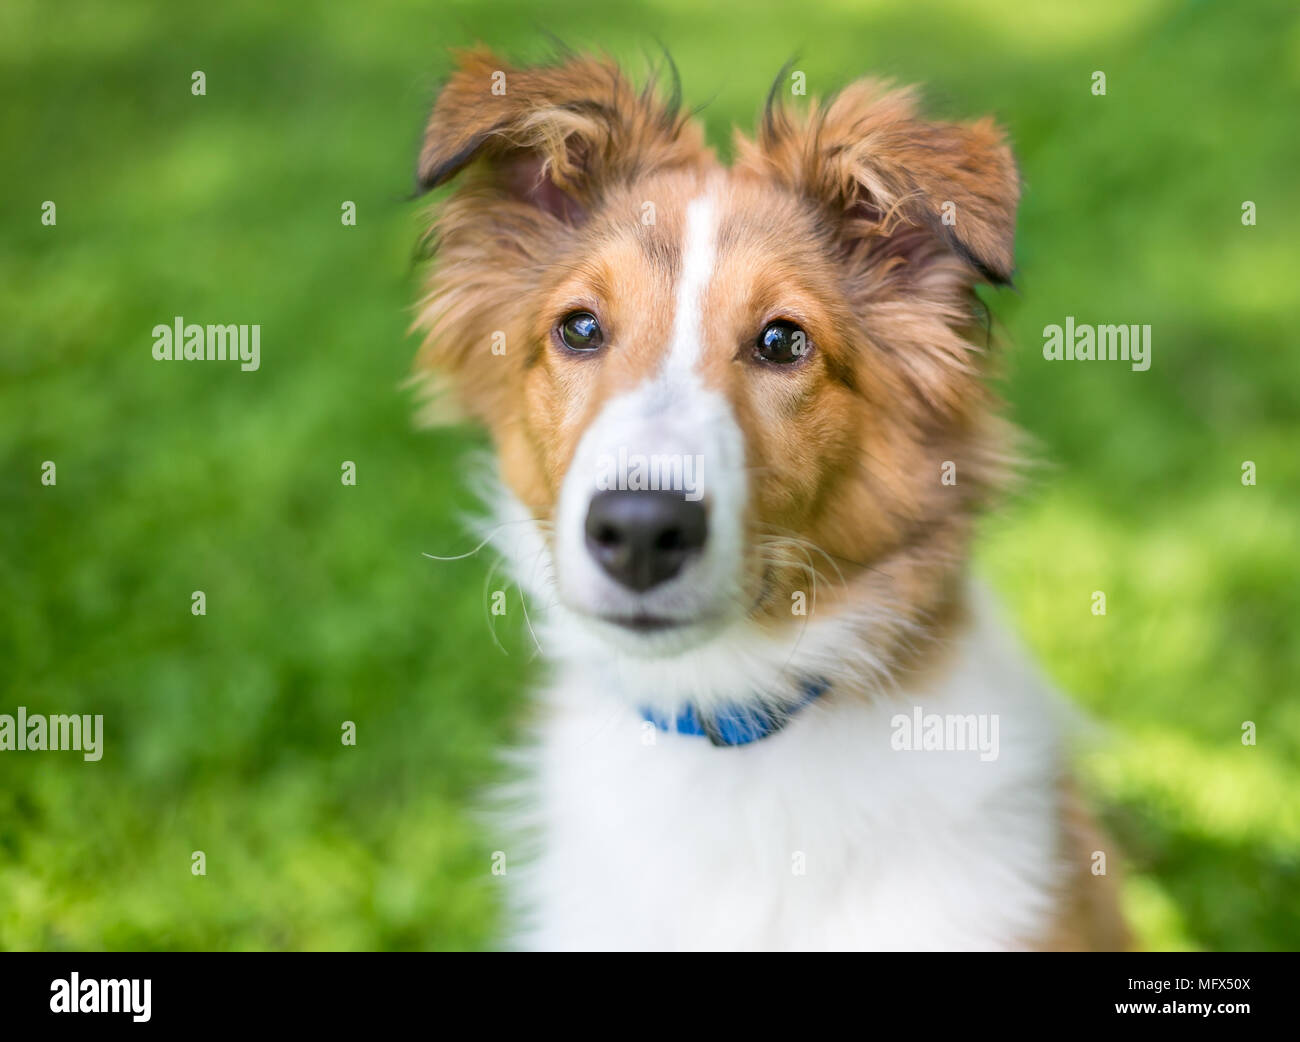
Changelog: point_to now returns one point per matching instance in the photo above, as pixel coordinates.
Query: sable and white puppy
(742, 438)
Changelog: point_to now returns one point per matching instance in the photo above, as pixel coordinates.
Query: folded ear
(885, 174)
(552, 135)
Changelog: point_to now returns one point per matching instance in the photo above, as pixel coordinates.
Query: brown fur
(1089, 917)
(832, 218)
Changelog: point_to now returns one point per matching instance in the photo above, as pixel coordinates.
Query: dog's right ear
(534, 149)
(551, 136)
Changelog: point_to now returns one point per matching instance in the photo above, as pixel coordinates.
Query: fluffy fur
(868, 226)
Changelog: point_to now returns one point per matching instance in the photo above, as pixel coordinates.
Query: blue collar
(736, 724)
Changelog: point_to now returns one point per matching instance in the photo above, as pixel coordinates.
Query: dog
(742, 434)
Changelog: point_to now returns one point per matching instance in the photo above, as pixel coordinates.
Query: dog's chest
(825, 835)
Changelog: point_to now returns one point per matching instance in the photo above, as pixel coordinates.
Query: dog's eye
(581, 332)
(781, 342)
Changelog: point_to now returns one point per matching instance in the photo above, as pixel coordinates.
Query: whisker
(486, 539)
(523, 601)
(809, 544)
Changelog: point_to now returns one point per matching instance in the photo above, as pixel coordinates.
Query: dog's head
(718, 386)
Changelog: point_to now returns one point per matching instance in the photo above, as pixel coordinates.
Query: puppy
(742, 437)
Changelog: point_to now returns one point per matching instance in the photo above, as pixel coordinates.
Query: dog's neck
(862, 649)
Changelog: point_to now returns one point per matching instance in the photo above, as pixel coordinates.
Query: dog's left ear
(907, 184)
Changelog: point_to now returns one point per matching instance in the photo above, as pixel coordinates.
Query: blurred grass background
(222, 732)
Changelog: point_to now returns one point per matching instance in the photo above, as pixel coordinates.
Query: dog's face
(718, 386)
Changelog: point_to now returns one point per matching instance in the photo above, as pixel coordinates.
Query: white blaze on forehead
(698, 255)
(671, 415)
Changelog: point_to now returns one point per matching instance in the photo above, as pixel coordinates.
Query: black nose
(643, 538)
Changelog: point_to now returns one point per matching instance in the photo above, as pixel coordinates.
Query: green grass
(223, 730)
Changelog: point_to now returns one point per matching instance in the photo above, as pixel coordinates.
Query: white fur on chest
(822, 836)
